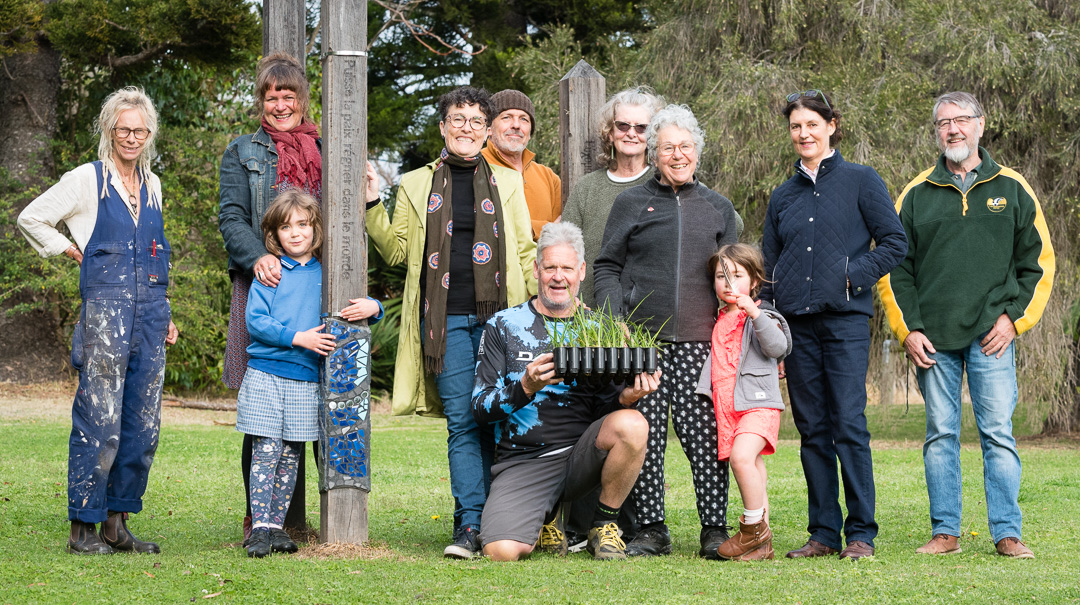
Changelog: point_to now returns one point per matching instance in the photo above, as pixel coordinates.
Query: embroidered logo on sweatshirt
(995, 204)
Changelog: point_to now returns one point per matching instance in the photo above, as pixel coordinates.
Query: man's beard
(958, 155)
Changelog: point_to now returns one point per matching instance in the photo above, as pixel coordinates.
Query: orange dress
(726, 349)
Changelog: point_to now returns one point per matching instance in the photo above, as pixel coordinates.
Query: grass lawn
(194, 504)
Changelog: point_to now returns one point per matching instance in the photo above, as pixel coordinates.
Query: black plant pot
(637, 361)
(625, 362)
(587, 361)
(600, 367)
(573, 361)
(650, 360)
(612, 354)
(560, 361)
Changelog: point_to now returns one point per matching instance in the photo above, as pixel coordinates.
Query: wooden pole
(344, 420)
(284, 27)
(582, 92)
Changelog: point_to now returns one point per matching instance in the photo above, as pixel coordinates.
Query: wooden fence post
(344, 420)
(582, 92)
(284, 29)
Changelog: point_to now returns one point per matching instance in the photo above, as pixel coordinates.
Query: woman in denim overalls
(112, 207)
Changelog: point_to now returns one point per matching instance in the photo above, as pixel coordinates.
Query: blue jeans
(469, 448)
(992, 383)
(826, 376)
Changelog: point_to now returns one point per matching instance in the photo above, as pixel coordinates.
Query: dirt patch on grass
(51, 401)
(370, 550)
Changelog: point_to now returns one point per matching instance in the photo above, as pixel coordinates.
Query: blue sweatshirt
(275, 315)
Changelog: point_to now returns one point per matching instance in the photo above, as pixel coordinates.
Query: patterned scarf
(488, 251)
(299, 159)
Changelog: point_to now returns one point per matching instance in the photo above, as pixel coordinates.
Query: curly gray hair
(639, 96)
(679, 116)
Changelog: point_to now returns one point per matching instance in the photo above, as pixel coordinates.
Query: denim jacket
(247, 185)
(766, 341)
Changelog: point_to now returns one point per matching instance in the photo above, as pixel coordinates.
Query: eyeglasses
(458, 121)
(140, 133)
(960, 121)
(813, 93)
(669, 149)
(626, 126)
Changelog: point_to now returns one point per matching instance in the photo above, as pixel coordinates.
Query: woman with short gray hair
(653, 263)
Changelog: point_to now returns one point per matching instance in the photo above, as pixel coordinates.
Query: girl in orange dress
(749, 340)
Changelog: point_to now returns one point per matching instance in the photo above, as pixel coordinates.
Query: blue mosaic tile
(348, 454)
(348, 366)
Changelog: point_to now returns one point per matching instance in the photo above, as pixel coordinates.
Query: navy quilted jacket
(817, 238)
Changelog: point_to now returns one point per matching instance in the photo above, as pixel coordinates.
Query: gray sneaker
(605, 543)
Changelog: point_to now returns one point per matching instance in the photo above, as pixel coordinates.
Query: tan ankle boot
(751, 543)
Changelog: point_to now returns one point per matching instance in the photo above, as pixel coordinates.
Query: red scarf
(299, 159)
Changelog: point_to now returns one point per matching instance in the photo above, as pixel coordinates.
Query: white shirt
(813, 173)
(73, 201)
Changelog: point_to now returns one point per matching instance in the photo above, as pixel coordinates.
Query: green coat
(403, 240)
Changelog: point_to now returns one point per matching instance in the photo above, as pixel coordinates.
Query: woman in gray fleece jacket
(656, 246)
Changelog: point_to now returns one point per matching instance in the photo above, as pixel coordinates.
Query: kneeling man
(553, 441)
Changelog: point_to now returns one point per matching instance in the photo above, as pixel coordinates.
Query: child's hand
(361, 308)
(744, 302)
(313, 340)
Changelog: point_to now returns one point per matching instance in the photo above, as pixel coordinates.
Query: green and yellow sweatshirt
(971, 256)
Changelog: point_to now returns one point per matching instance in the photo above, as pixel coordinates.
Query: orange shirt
(543, 188)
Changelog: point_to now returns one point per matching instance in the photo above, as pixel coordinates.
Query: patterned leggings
(273, 478)
(695, 425)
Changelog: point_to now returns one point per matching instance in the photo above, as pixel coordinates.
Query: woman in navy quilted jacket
(816, 243)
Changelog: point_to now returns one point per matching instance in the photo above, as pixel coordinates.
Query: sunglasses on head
(809, 94)
(626, 126)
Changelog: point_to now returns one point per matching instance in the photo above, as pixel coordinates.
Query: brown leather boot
(115, 533)
(751, 543)
(85, 541)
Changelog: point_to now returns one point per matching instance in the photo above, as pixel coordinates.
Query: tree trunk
(29, 84)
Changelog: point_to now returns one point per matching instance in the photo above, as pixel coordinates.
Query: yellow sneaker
(552, 539)
(605, 543)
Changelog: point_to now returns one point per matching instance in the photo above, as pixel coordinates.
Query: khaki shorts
(524, 492)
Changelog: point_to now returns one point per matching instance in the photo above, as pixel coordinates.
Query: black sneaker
(576, 542)
(466, 546)
(650, 542)
(259, 544)
(281, 542)
(711, 539)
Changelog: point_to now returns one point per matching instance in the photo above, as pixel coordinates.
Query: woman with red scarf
(284, 153)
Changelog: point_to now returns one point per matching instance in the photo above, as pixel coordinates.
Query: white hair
(554, 234)
(679, 116)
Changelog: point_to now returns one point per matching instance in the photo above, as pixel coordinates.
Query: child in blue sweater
(279, 399)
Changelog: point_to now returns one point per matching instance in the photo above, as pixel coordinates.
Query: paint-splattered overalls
(119, 350)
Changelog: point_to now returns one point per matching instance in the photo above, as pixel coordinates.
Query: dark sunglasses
(626, 126)
(809, 94)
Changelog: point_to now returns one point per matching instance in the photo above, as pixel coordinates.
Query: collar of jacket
(943, 176)
(825, 167)
(654, 184)
(499, 159)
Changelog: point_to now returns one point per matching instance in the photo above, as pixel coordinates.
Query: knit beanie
(514, 99)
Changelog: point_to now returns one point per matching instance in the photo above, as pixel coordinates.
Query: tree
(733, 62)
(69, 54)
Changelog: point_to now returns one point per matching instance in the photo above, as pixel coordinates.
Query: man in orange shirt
(511, 130)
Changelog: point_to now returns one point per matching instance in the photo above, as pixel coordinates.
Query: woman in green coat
(462, 227)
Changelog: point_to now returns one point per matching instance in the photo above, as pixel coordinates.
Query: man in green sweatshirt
(978, 271)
